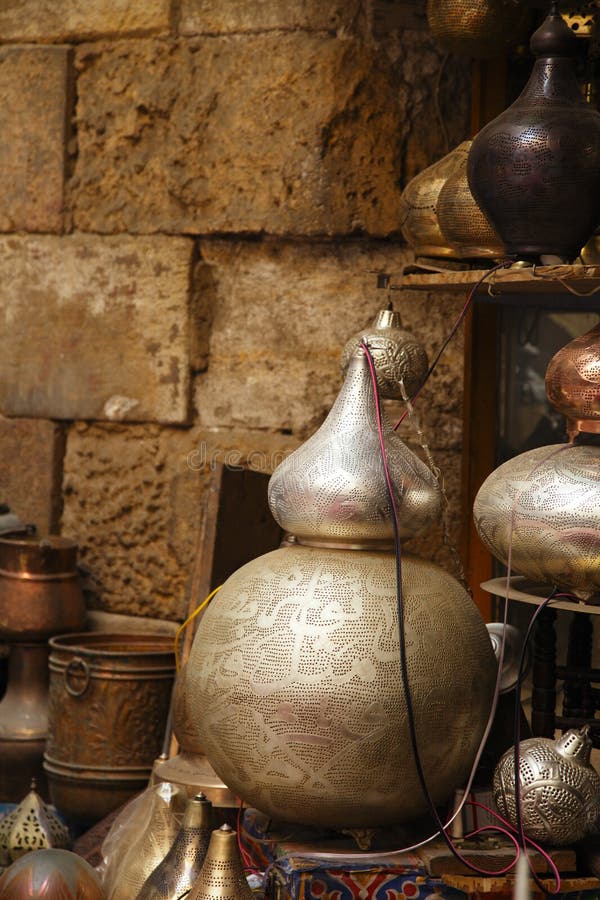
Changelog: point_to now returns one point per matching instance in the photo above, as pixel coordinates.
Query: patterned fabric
(364, 883)
(292, 877)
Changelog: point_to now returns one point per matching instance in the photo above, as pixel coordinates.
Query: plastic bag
(140, 838)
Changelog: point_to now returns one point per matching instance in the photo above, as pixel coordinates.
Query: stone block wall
(195, 199)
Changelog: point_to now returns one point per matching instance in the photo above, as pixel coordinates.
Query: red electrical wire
(454, 329)
(510, 828)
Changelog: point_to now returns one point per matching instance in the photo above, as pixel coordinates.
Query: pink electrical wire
(510, 831)
(453, 330)
(499, 830)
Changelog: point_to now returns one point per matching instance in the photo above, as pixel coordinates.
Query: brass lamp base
(194, 772)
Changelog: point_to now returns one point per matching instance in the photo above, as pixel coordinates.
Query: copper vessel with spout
(40, 595)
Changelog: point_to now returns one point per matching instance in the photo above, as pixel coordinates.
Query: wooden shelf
(471, 884)
(576, 279)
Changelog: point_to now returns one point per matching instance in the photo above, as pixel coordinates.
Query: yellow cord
(182, 628)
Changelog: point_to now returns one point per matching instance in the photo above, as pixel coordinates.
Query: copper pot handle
(82, 666)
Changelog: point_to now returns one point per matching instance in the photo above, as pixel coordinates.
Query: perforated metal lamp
(331, 491)
(573, 383)
(222, 875)
(294, 676)
(399, 358)
(560, 789)
(543, 504)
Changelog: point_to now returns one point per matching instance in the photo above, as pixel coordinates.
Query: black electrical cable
(402, 643)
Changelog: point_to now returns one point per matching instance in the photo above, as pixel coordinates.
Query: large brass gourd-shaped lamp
(294, 676)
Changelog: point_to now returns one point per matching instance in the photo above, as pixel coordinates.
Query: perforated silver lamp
(331, 491)
(397, 354)
(543, 504)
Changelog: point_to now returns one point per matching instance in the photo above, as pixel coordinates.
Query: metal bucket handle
(77, 663)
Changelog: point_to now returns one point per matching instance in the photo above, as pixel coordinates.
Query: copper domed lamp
(50, 875)
(543, 504)
(535, 169)
(294, 675)
(573, 383)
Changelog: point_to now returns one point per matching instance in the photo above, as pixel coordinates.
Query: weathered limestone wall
(195, 197)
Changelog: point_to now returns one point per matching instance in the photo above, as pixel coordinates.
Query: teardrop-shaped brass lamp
(222, 876)
(418, 207)
(466, 228)
(181, 866)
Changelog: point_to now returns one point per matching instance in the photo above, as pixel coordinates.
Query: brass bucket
(108, 707)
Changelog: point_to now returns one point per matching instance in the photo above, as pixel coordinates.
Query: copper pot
(40, 593)
(108, 706)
